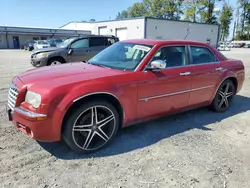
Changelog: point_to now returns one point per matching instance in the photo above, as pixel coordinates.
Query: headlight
(33, 99)
(40, 55)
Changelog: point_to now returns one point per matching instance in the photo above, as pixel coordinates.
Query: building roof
(164, 42)
(136, 18)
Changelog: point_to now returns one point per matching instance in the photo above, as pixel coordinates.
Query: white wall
(77, 26)
(135, 27)
(171, 30)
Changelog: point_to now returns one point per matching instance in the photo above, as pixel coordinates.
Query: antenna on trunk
(188, 31)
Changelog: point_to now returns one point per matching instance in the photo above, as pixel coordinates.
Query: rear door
(205, 71)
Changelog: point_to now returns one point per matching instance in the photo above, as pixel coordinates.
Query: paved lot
(193, 149)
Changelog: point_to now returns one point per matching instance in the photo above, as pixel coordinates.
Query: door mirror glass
(157, 64)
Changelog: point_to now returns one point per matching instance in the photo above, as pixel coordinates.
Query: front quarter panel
(125, 92)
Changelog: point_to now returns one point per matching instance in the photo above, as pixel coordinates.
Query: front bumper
(39, 62)
(36, 126)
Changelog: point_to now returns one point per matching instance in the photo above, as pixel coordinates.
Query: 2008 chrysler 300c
(129, 82)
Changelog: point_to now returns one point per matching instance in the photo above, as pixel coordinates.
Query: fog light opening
(29, 131)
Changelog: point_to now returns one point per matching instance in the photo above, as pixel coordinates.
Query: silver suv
(72, 50)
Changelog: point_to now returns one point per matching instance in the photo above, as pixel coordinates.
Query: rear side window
(202, 55)
(98, 41)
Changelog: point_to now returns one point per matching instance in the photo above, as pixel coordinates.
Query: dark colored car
(54, 42)
(29, 45)
(72, 50)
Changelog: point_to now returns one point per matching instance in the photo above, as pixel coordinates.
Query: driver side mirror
(156, 65)
(70, 52)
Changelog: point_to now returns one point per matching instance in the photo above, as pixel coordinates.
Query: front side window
(174, 56)
(201, 55)
(121, 56)
(66, 43)
(82, 43)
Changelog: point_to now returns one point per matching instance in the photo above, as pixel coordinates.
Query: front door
(206, 72)
(165, 90)
(79, 51)
(16, 43)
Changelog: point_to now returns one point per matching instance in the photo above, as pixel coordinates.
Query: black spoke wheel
(91, 126)
(224, 96)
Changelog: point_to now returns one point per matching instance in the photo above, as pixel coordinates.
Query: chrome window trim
(188, 57)
(153, 46)
(94, 93)
(200, 46)
(174, 93)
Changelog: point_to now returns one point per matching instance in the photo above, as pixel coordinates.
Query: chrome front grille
(13, 92)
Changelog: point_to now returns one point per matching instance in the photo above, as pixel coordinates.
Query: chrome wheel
(94, 127)
(56, 63)
(225, 96)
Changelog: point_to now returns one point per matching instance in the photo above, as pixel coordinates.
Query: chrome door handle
(185, 73)
(219, 69)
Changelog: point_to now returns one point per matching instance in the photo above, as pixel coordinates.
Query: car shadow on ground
(145, 134)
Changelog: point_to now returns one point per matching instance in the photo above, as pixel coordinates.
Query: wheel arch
(231, 77)
(111, 98)
(56, 57)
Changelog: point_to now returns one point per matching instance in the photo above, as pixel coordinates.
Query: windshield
(122, 56)
(65, 43)
(42, 42)
(58, 40)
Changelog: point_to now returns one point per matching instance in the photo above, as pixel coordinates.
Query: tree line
(202, 11)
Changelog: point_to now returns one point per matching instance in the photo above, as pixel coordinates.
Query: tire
(84, 134)
(55, 61)
(224, 97)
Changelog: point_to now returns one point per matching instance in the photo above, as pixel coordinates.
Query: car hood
(66, 73)
(47, 49)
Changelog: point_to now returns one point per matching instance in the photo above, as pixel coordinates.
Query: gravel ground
(193, 149)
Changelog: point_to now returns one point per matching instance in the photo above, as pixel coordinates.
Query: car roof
(165, 42)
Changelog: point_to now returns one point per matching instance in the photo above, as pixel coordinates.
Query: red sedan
(131, 81)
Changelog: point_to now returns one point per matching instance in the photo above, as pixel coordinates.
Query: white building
(151, 28)
(15, 37)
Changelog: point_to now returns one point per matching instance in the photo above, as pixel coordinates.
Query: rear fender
(225, 76)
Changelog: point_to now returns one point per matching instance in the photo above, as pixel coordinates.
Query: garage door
(121, 33)
(103, 31)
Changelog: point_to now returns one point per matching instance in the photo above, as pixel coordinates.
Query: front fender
(78, 92)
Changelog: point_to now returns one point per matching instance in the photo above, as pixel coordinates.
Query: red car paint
(61, 85)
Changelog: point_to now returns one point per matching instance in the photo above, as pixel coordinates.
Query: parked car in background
(72, 50)
(41, 44)
(29, 45)
(247, 45)
(224, 46)
(54, 42)
(129, 82)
